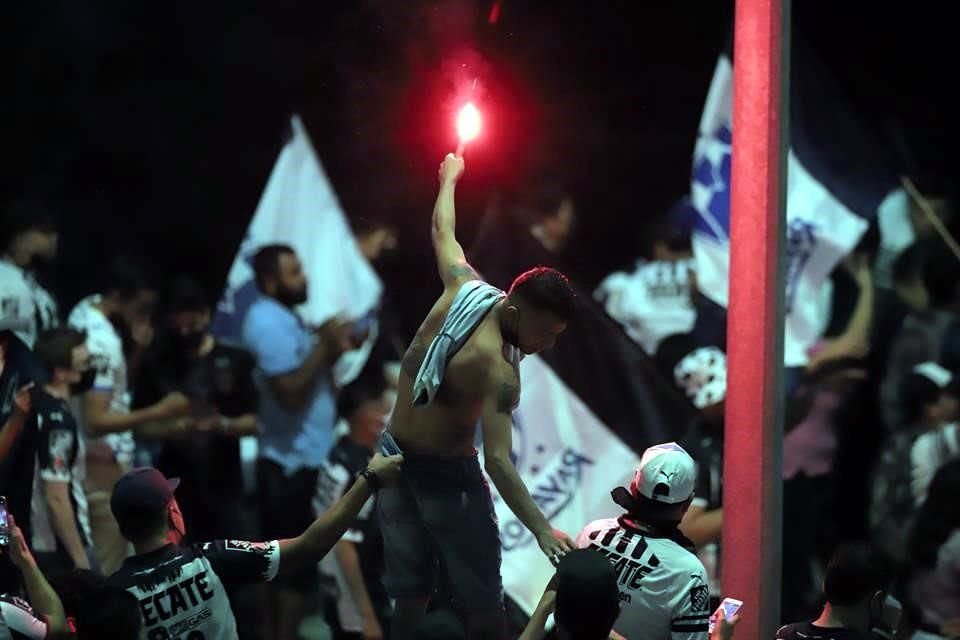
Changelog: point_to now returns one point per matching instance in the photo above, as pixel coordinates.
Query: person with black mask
(664, 591)
(28, 240)
(857, 604)
(218, 380)
(118, 327)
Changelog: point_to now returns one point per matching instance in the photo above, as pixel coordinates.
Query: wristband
(372, 480)
(224, 424)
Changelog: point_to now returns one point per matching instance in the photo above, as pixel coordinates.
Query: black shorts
(286, 510)
(440, 516)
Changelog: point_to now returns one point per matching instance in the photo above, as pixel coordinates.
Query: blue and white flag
(300, 209)
(835, 185)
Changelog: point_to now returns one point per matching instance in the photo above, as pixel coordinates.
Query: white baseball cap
(666, 474)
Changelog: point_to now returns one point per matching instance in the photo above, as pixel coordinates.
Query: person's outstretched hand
(555, 544)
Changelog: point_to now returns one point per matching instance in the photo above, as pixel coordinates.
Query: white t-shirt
(664, 593)
(652, 302)
(931, 451)
(106, 356)
(16, 302)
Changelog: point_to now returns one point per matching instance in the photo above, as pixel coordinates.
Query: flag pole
(753, 449)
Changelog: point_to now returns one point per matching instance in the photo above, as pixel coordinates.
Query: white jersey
(652, 303)
(18, 621)
(45, 308)
(106, 357)
(16, 302)
(664, 594)
(181, 589)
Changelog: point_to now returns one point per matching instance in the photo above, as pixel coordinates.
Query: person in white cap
(664, 591)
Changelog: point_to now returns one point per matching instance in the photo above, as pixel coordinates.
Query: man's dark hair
(140, 525)
(186, 294)
(546, 289)
(126, 278)
(916, 392)
(54, 348)
(588, 600)
(99, 609)
(266, 262)
(22, 216)
(371, 385)
(855, 572)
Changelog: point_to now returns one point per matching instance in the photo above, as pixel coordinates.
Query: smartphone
(4, 523)
(728, 608)
(388, 445)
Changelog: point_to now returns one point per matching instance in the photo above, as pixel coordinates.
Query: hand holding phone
(728, 609)
(4, 523)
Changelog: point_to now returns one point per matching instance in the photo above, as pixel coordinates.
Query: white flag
(300, 209)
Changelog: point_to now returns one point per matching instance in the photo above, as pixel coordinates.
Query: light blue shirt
(280, 342)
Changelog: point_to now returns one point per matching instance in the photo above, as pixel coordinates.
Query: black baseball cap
(141, 490)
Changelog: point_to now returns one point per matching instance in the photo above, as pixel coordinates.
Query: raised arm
(451, 262)
(503, 392)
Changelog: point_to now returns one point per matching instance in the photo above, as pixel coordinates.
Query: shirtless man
(441, 515)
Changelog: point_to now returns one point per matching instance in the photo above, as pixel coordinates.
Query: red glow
(468, 123)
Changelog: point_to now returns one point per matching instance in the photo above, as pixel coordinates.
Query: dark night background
(151, 128)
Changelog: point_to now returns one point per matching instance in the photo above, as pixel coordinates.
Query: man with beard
(117, 324)
(297, 411)
(28, 239)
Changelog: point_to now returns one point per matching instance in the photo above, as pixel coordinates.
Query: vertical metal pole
(753, 450)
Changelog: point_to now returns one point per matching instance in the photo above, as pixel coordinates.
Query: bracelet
(372, 480)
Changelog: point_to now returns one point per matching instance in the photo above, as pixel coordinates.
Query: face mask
(85, 383)
(187, 343)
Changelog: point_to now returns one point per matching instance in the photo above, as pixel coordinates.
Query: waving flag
(837, 179)
(300, 209)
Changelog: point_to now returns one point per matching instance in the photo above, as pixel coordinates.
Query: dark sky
(152, 128)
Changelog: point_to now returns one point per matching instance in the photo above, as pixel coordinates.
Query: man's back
(663, 587)
(181, 589)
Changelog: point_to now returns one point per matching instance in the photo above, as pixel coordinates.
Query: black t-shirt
(60, 458)
(809, 631)
(222, 378)
(181, 590)
(704, 443)
(337, 475)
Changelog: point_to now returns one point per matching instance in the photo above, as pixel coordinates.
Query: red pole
(753, 451)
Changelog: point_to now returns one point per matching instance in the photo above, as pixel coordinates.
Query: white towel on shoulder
(471, 305)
